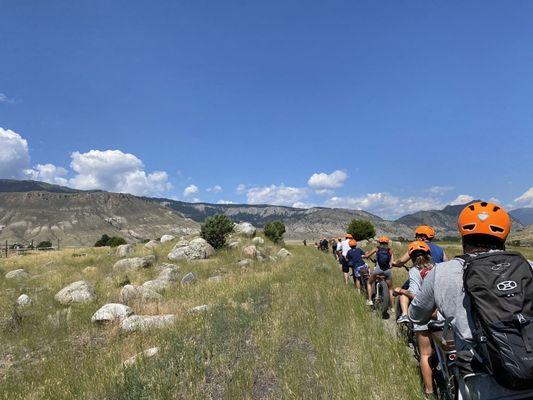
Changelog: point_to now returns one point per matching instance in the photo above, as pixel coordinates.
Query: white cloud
(214, 189)
(225, 202)
(526, 199)
(48, 173)
(241, 189)
(440, 190)
(385, 204)
(14, 155)
(276, 195)
(324, 192)
(5, 99)
(115, 171)
(462, 199)
(190, 190)
(327, 181)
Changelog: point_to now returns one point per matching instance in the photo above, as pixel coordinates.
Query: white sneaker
(369, 303)
(403, 319)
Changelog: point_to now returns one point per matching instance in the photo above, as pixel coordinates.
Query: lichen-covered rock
(111, 312)
(17, 274)
(188, 279)
(258, 241)
(196, 249)
(130, 294)
(76, 293)
(284, 253)
(146, 322)
(245, 229)
(250, 251)
(156, 285)
(152, 244)
(23, 300)
(169, 274)
(132, 264)
(167, 238)
(125, 250)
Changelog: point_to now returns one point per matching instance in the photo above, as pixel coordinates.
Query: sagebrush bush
(105, 240)
(361, 230)
(46, 244)
(274, 231)
(215, 230)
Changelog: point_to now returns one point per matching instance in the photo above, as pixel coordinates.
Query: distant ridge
(12, 186)
(524, 215)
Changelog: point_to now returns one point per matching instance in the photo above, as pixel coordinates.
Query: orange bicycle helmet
(418, 245)
(486, 219)
(348, 236)
(352, 243)
(425, 230)
(383, 239)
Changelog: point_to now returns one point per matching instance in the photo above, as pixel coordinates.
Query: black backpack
(500, 287)
(384, 256)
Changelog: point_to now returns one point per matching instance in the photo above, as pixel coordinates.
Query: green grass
(287, 329)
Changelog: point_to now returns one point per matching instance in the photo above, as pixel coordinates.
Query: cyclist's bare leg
(404, 303)
(369, 283)
(391, 297)
(424, 344)
(346, 277)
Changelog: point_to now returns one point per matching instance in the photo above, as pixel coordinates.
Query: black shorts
(405, 286)
(344, 263)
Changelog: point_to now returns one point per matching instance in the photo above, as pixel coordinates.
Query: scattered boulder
(152, 244)
(169, 274)
(132, 264)
(148, 295)
(284, 253)
(250, 251)
(111, 312)
(145, 354)
(244, 263)
(196, 249)
(245, 229)
(167, 238)
(234, 245)
(130, 294)
(17, 274)
(188, 279)
(76, 293)
(146, 322)
(125, 250)
(156, 285)
(258, 241)
(24, 300)
(199, 309)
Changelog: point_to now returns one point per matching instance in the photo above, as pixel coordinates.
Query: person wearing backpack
(384, 261)
(487, 296)
(342, 252)
(354, 259)
(420, 254)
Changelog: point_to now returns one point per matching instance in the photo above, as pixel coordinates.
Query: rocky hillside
(300, 223)
(80, 218)
(524, 215)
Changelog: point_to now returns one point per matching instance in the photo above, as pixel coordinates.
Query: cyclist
(343, 251)
(354, 259)
(420, 254)
(424, 233)
(384, 261)
(484, 227)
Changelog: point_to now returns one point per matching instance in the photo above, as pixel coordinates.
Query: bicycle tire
(383, 305)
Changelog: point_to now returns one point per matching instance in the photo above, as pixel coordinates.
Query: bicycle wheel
(383, 294)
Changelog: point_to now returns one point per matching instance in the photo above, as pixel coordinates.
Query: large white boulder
(258, 241)
(196, 249)
(23, 300)
(245, 229)
(167, 238)
(17, 274)
(76, 293)
(169, 274)
(284, 253)
(125, 250)
(111, 312)
(132, 264)
(152, 244)
(130, 294)
(146, 322)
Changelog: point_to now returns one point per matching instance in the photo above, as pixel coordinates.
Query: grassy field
(277, 329)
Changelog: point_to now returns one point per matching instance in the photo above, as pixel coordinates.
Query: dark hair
(420, 259)
(423, 236)
(479, 243)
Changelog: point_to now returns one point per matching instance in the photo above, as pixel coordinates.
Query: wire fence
(9, 248)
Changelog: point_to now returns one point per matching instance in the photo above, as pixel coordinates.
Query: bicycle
(406, 331)
(380, 294)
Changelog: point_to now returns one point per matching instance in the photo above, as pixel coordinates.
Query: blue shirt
(437, 253)
(355, 257)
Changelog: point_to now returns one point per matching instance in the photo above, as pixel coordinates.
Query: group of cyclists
(482, 300)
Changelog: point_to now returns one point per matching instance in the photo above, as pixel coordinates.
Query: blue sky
(392, 106)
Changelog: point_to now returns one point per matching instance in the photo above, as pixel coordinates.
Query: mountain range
(31, 210)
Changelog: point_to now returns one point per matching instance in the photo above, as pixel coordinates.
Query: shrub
(361, 229)
(215, 229)
(274, 231)
(45, 244)
(105, 240)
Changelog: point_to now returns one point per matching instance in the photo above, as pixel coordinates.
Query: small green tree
(45, 244)
(274, 231)
(215, 229)
(361, 229)
(115, 241)
(102, 241)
